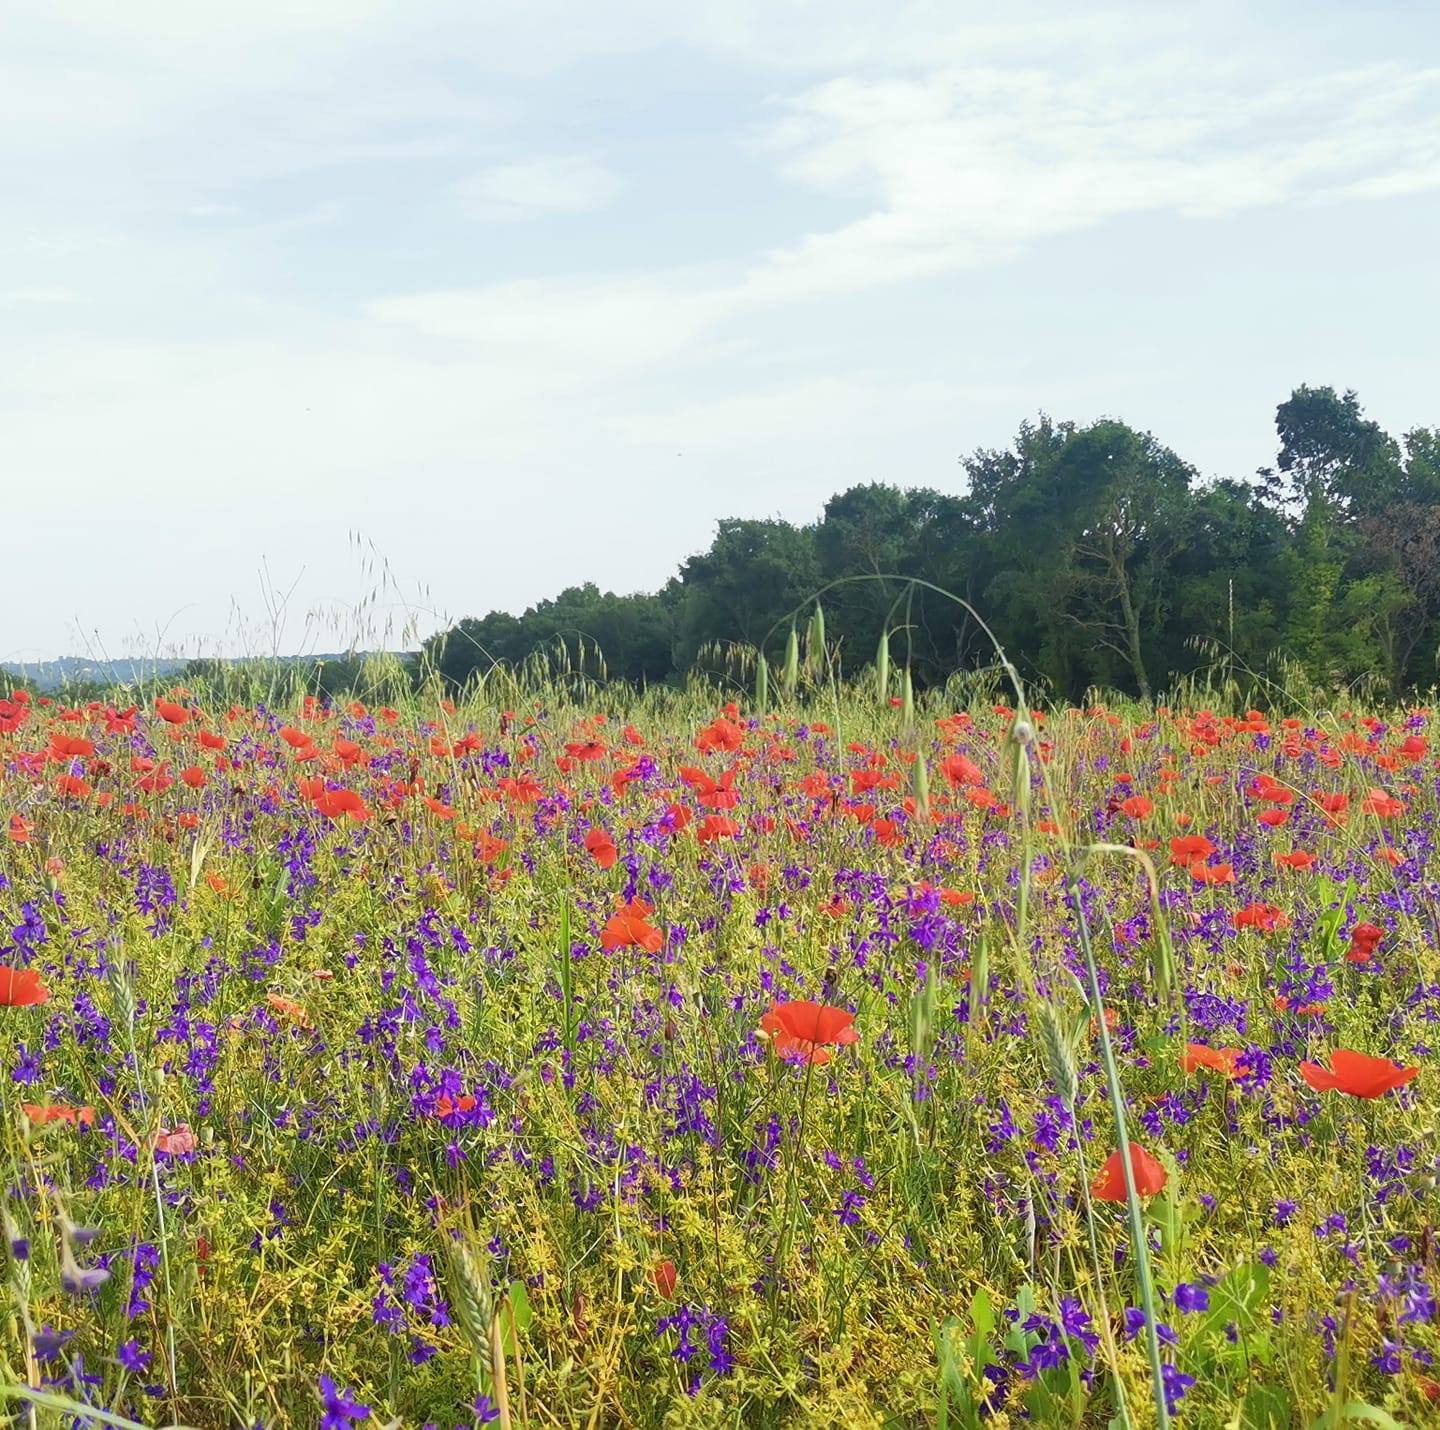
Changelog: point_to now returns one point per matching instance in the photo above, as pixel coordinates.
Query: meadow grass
(401, 1107)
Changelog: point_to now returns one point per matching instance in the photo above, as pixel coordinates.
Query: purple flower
(132, 1358)
(1189, 1297)
(340, 1409)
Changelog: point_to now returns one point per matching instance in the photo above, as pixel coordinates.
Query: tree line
(1094, 553)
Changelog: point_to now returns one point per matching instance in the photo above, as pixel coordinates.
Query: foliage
(1100, 556)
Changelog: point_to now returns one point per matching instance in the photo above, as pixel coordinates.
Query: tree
(1333, 454)
(1085, 520)
(752, 575)
(633, 634)
(876, 530)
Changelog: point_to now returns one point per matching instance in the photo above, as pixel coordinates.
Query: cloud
(963, 167)
(536, 187)
(954, 169)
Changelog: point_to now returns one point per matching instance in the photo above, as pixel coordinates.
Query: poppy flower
(488, 848)
(1203, 873)
(1364, 939)
(1137, 807)
(601, 848)
(289, 1008)
(1300, 859)
(664, 1275)
(1149, 1176)
(1357, 1074)
(1189, 848)
(586, 751)
(20, 829)
(1382, 805)
(1265, 917)
(960, 771)
(629, 928)
(171, 713)
(806, 1031)
(1221, 1060)
(58, 1112)
(447, 1106)
(21, 988)
(716, 826)
(335, 802)
(177, 1142)
(721, 734)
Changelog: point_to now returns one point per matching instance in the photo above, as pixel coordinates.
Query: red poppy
(1357, 1074)
(64, 747)
(1221, 1060)
(1364, 939)
(58, 1112)
(716, 826)
(335, 802)
(961, 771)
(171, 713)
(1265, 917)
(721, 734)
(21, 988)
(13, 715)
(1148, 1174)
(1297, 859)
(586, 750)
(488, 848)
(629, 928)
(664, 1275)
(1137, 807)
(806, 1031)
(1188, 848)
(601, 847)
(1204, 873)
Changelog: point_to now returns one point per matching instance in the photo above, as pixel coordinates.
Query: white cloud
(536, 187)
(962, 167)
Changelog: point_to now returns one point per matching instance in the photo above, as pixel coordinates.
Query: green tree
(1084, 521)
(753, 573)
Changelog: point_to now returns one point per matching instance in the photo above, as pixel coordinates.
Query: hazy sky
(529, 292)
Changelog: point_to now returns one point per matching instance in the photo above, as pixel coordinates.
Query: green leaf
(982, 1314)
(520, 1306)
(1357, 1410)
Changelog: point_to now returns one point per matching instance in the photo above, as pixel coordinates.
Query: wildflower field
(636, 1060)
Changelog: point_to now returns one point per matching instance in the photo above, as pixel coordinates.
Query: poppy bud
(664, 1275)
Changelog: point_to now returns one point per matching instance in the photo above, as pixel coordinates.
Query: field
(589, 1060)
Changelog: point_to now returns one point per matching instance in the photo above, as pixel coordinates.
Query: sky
(342, 319)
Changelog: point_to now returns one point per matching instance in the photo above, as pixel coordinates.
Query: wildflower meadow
(807, 1053)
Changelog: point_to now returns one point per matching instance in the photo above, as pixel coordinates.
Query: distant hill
(136, 670)
(75, 669)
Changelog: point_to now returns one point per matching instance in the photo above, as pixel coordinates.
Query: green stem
(1138, 1244)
